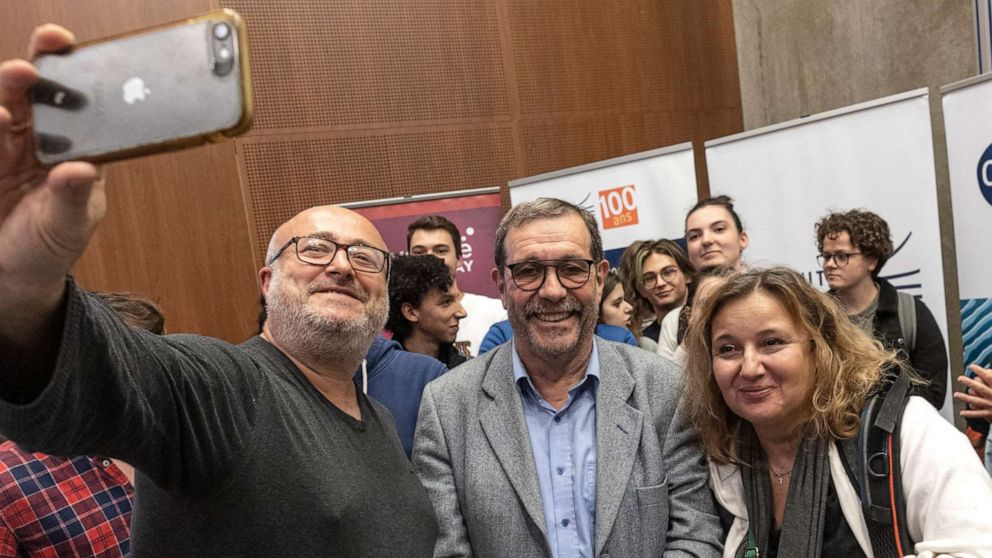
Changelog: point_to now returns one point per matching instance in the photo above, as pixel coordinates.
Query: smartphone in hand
(159, 89)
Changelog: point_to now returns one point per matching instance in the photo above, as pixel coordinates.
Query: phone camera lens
(221, 31)
(224, 54)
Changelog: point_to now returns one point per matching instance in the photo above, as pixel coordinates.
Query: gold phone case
(158, 89)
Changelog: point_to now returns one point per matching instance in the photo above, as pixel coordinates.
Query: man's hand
(47, 216)
(978, 393)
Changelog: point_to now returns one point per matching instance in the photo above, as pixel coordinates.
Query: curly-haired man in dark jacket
(854, 246)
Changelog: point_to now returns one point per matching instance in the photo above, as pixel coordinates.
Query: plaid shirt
(52, 506)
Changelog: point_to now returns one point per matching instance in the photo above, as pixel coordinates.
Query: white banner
(876, 156)
(968, 125)
(636, 197)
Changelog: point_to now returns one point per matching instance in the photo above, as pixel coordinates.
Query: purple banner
(476, 216)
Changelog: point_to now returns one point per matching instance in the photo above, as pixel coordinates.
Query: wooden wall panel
(604, 79)
(360, 63)
(363, 100)
(177, 231)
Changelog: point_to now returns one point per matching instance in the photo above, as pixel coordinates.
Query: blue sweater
(396, 378)
(500, 332)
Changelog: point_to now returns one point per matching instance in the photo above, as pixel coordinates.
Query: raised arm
(47, 217)
(74, 379)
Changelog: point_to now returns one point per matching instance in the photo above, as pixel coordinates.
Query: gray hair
(545, 208)
(273, 247)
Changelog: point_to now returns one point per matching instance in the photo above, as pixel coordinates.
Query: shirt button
(557, 419)
(106, 463)
(564, 523)
(561, 470)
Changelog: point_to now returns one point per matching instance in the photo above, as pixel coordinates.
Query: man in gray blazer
(555, 445)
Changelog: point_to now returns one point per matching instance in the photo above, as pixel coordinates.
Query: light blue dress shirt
(564, 445)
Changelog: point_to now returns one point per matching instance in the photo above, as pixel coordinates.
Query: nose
(626, 308)
(751, 366)
(460, 312)
(706, 237)
(552, 289)
(339, 264)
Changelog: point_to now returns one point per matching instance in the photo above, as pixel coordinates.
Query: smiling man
(425, 308)
(261, 449)
(556, 444)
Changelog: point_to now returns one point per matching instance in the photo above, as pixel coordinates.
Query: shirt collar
(519, 372)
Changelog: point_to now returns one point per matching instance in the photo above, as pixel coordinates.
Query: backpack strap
(872, 463)
(907, 319)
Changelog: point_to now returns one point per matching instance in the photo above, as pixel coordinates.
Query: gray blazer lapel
(618, 434)
(503, 422)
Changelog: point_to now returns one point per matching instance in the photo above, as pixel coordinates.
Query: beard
(557, 345)
(310, 334)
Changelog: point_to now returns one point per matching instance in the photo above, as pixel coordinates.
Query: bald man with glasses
(261, 449)
(556, 444)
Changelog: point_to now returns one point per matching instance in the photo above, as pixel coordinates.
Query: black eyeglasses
(320, 251)
(530, 275)
(840, 258)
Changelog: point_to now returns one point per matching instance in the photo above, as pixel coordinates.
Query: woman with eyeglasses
(853, 247)
(789, 398)
(657, 286)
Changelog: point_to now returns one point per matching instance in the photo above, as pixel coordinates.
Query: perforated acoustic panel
(579, 56)
(363, 99)
(603, 79)
(553, 144)
(360, 62)
(287, 176)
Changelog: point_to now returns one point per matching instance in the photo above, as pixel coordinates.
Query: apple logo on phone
(135, 90)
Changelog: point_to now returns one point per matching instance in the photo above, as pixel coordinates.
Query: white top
(948, 493)
(668, 338)
(481, 313)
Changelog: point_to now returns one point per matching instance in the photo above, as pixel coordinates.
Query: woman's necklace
(780, 476)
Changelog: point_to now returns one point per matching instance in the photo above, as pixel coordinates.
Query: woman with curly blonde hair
(776, 377)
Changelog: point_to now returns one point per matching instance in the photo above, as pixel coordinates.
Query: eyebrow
(326, 235)
(761, 333)
(717, 222)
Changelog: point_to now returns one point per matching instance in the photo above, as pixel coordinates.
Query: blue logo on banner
(985, 174)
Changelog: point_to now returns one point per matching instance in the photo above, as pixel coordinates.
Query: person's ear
(264, 280)
(602, 268)
(500, 281)
(410, 313)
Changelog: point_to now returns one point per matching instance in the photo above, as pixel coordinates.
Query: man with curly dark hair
(854, 246)
(425, 308)
(437, 236)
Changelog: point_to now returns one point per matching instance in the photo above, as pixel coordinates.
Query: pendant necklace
(780, 476)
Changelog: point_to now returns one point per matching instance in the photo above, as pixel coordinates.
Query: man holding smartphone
(262, 449)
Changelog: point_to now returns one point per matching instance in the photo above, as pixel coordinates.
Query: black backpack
(871, 460)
